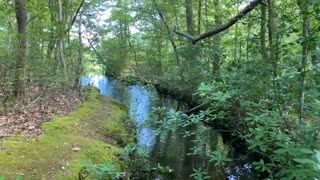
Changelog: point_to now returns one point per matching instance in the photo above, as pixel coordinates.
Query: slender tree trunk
(263, 31)
(272, 45)
(135, 58)
(60, 48)
(189, 16)
(235, 52)
(169, 32)
(51, 43)
(79, 65)
(9, 29)
(22, 52)
(305, 48)
(191, 56)
(199, 15)
(206, 14)
(217, 39)
(248, 37)
(315, 58)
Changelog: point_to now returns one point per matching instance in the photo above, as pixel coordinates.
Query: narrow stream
(170, 149)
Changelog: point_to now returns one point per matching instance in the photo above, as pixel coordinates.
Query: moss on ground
(93, 134)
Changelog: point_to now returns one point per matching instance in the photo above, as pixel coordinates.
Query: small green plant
(199, 174)
(218, 158)
(100, 171)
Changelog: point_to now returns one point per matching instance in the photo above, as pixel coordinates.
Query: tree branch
(74, 17)
(100, 58)
(227, 25)
(35, 16)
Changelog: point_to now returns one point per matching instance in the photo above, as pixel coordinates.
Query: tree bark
(272, 44)
(60, 47)
(199, 15)
(305, 48)
(189, 17)
(217, 39)
(315, 58)
(79, 65)
(22, 53)
(263, 31)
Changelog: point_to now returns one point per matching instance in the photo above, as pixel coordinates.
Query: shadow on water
(169, 148)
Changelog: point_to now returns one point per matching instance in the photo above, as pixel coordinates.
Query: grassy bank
(94, 133)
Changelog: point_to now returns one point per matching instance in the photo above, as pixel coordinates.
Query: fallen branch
(32, 101)
(231, 22)
(189, 111)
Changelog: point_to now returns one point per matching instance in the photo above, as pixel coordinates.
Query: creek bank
(229, 125)
(94, 133)
(163, 88)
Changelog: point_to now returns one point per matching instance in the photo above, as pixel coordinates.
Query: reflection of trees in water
(169, 148)
(118, 91)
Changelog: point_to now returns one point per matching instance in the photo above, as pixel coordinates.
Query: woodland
(248, 68)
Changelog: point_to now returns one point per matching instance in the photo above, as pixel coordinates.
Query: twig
(32, 101)
(194, 108)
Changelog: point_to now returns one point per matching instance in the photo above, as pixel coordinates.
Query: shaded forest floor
(39, 105)
(93, 133)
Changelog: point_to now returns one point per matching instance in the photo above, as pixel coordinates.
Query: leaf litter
(38, 106)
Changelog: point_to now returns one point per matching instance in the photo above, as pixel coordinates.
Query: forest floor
(39, 105)
(93, 133)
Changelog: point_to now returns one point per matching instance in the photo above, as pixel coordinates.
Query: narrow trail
(93, 133)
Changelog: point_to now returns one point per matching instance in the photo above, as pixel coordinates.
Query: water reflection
(168, 148)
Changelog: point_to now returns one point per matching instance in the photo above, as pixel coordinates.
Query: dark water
(168, 148)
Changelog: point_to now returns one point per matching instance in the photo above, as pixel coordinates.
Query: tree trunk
(217, 39)
(79, 65)
(9, 29)
(263, 30)
(60, 47)
(315, 58)
(169, 32)
(199, 16)
(189, 17)
(305, 47)
(22, 53)
(272, 45)
(235, 52)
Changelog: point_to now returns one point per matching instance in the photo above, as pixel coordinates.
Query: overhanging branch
(227, 25)
(74, 17)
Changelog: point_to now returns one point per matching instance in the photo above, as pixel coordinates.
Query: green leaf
(306, 151)
(281, 151)
(304, 161)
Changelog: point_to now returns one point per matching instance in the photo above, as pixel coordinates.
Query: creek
(170, 148)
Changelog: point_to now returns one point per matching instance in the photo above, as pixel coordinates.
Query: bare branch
(186, 35)
(227, 25)
(74, 17)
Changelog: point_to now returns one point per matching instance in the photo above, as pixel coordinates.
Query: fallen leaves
(37, 107)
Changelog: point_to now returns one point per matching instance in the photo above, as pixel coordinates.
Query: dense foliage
(259, 79)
